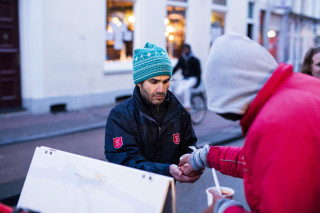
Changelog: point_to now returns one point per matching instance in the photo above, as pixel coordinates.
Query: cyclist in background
(191, 72)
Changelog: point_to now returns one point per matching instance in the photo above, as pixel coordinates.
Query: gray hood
(237, 68)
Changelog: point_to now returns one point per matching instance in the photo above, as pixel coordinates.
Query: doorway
(10, 87)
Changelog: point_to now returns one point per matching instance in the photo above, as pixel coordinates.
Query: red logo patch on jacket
(117, 142)
(176, 138)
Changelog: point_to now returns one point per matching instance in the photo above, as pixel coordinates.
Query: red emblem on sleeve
(117, 142)
(176, 138)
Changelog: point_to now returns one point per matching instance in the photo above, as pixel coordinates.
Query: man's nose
(160, 88)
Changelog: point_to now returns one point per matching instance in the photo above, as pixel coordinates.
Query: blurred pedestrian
(191, 72)
(280, 117)
(151, 130)
(311, 62)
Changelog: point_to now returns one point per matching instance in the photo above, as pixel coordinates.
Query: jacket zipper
(151, 119)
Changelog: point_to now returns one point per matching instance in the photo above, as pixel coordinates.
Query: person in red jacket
(279, 112)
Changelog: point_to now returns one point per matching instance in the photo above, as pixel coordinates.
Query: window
(217, 25)
(250, 25)
(250, 10)
(175, 30)
(250, 30)
(119, 32)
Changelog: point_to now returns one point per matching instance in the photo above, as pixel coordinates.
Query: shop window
(220, 2)
(217, 25)
(119, 32)
(175, 30)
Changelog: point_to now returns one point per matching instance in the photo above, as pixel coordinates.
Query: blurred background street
(82, 132)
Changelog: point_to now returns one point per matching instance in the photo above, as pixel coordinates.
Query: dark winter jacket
(190, 67)
(146, 137)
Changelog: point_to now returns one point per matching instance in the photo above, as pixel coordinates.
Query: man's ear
(139, 85)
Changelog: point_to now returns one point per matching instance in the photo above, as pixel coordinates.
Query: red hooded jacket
(280, 160)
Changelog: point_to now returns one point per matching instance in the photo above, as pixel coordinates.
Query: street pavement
(21, 132)
(21, 127)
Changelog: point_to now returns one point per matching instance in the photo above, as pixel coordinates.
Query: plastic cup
(226, 192)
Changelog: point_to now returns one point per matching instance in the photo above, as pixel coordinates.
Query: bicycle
(198, 105)
(198, 101)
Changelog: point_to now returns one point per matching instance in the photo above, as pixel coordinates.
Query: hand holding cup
(213, 194)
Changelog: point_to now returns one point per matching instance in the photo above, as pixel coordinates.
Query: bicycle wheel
(198, 108)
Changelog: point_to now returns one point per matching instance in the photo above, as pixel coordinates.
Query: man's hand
(184, 169)
(182, 178)
(216, 196)
(186, 165)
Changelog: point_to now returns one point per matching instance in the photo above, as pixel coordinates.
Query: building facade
(75, 54)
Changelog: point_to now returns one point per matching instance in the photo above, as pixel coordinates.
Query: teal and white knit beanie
(150, 61)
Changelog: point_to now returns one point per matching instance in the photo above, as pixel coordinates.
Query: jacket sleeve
(189, 137)
(121, 145)
(226, 205)
(228, 160)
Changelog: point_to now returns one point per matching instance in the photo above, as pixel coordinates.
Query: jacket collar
(282, 72)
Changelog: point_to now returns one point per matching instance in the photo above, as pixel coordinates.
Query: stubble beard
(150, 97)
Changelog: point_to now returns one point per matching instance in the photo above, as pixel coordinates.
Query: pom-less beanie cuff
(150, 75)
(149, 62)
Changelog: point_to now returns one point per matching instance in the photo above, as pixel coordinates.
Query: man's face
(155, 89)
(315, 68)
(186, 51)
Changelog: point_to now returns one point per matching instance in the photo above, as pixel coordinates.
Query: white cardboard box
(59, 181)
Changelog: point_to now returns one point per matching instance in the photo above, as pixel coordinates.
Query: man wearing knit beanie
(151, 130)
(280, 117)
